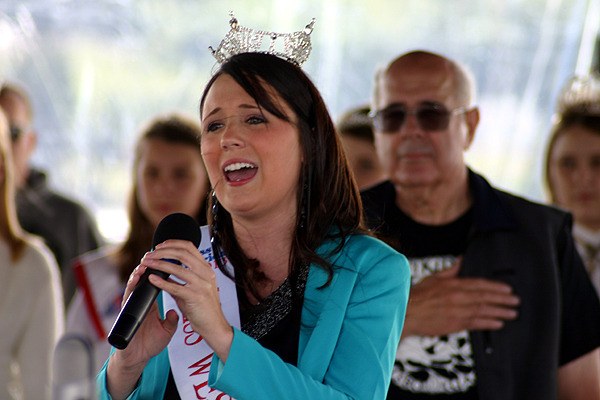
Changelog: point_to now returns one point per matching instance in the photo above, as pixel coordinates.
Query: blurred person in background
(31, 307)
(572, 172)
(168, 176)
(356, 130)
(65, 225)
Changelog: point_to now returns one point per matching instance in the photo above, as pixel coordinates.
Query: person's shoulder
(97, 269)
(365, 252)
(376, 264)
(38, 256)
(510, 206)
(365, 242)
(38, 184)
(531, 209)
(67, 202)
(102, 257)
(101, 253)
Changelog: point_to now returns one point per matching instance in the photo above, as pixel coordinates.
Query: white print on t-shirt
(434, 365)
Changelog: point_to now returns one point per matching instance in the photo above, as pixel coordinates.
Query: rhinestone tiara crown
(581, 94)
(294, 47)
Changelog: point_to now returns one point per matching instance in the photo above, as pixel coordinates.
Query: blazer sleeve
(361, 362)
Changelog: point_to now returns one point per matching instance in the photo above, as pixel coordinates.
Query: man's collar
(489, 212)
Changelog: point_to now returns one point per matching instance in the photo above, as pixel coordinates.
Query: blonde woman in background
(31, 306)
(573, 166)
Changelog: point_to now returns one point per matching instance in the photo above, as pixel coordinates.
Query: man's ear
(472, 120)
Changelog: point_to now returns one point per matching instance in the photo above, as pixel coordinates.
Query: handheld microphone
(133, 313)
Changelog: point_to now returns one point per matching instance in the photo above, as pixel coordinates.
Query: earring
(215, 243)
(214, 226)
(305, 203)
(214, 210)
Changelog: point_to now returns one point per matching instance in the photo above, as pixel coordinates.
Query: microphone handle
(135, 310)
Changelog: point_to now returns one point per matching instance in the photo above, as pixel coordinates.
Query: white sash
(189, 355)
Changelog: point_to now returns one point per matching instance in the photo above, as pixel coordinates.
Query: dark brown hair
(357, 123)
(171, 128)
(575, 115)
(10, 229)
(328, 202)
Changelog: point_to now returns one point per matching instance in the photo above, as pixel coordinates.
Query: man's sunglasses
(430, 117)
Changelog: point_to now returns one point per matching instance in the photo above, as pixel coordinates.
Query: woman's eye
(595, 162)
(151, 173)
(213, 126)
(568, 163)
(256, 119)
(181, 174)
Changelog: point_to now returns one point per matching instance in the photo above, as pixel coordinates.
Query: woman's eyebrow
(243, 106)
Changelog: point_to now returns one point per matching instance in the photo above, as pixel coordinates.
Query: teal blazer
(349, 334)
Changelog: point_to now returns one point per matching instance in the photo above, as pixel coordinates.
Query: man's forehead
(416, 86)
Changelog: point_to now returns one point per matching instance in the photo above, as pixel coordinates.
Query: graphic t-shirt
(432, 366)
(517, 224)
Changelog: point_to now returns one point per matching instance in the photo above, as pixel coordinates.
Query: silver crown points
(581, 94)
(294, 47)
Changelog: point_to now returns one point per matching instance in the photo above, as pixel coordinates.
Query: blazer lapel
(322, 317)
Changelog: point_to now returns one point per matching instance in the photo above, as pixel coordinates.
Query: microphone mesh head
(177, 226)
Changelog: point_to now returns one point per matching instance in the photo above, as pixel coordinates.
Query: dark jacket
(530, 247)
(66, 226)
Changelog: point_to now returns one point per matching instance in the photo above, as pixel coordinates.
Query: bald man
(501, 306)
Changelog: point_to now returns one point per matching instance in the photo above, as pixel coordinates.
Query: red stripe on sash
(90, 305)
